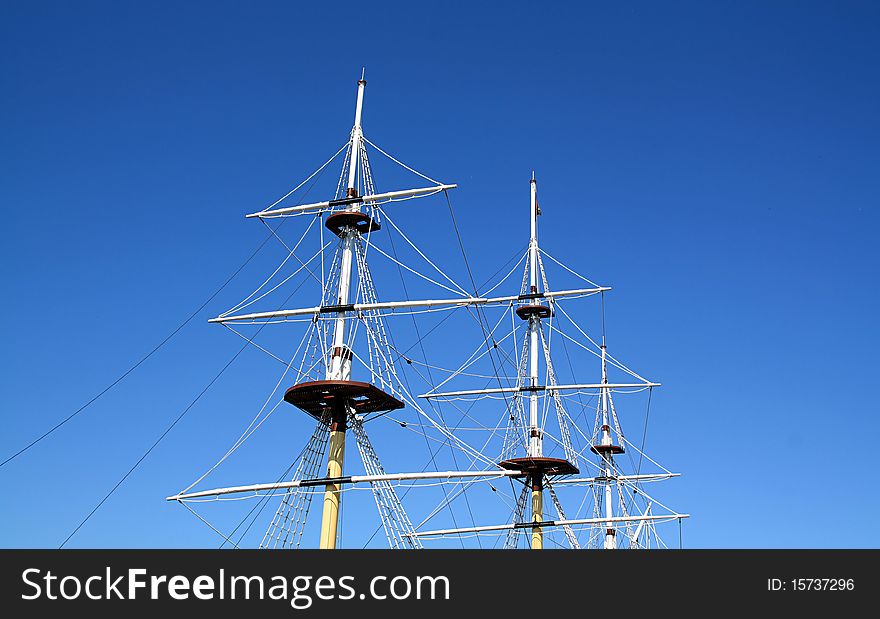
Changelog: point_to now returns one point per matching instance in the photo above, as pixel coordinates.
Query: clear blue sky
(715, 162)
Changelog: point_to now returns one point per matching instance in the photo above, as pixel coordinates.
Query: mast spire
(355, 144)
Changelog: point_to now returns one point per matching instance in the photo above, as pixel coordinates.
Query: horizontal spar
(327, 204)
(600, 479)
(450, 394)
(360, 307)
(352, 479)
(545, 523)
(354, 307)
(549, 294)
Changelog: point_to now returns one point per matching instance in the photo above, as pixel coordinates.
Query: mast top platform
(527, 311)
(361, 222)
(337, 396)
(540, 465)
(602, 449)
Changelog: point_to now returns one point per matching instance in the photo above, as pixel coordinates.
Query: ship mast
(535, 467)
(607, 456)
(606, 450)
(339, 368)
(536, 439)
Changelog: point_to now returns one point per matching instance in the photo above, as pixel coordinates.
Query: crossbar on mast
(547, 523)
(328, 204)
(351, 479)
(358, 307)
(527, 389)
(603, 479)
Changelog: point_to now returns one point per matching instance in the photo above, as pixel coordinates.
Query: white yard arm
(592, 480)
(546, 523)
(351, 479)
(359, 307)
(526, 389)
(547, 294)
(328, 204)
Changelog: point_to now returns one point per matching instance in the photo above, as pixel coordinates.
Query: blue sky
(714, 162)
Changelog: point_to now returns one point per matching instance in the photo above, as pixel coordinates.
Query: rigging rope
(179, 417)
(139, 362)
(155, 349)
(153, 446)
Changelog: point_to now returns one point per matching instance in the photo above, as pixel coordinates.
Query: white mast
(535, 466)
(536, 447)
(535, 441)
(339, 367)
(610, 537)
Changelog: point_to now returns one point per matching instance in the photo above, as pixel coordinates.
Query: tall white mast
(339, 368)
(535, 439)
(606, 449)
(610, 538)
(535, 466)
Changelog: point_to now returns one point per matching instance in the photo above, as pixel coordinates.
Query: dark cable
(272, 231)
(153, 446)
(142, 360)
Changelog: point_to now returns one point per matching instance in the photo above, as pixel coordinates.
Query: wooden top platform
(317, 397)
(527, 311)
(361, 222)
(540, 465)
(603, 449)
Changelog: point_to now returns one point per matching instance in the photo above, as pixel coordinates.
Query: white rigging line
(511, 272)
(275, 272)
(465, 414)
(444, 430)
(400, 163)
(646, 456)
(305, 264)
(313, 174)
(211, 526)
(255, 345)
(482, 350)
(252, 427)
(413, 271)
(411, 361)
(575, 273)
(632, 487)
(611, 359)
(461, 290)
(449, 499)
